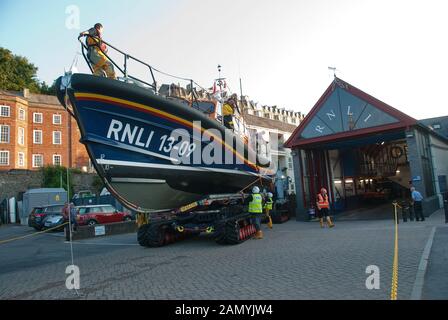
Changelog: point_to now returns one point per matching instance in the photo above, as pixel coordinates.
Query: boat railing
(124, 68)
(194, 102)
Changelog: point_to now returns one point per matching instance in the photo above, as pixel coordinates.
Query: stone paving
(296, 260)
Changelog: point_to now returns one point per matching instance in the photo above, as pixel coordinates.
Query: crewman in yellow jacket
(228, 111)
(96, 49)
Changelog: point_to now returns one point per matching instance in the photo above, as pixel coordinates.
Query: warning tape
(32, 234)
(394, 286)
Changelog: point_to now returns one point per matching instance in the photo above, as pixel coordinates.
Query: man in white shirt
(417, 199)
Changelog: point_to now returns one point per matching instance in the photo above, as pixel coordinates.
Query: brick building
(35, 131)
(275, 125)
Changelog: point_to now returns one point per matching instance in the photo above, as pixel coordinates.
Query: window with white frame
(38, 160)
(4, 133)
(5, 111)
(57, 160)
(21, 159)
(4, 158)
(38, 117)
(22, 115)
(57, 137)
(57, 119)
(21, 136)
(37, 136)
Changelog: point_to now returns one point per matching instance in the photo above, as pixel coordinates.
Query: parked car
(100, 214)
(52, 221)
(38, 214)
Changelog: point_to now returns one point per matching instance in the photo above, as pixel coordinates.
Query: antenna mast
(334, 70)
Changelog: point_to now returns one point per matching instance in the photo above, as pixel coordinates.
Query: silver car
(54, 221)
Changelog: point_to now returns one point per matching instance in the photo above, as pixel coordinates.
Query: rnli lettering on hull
(133, 134)
(141, 138)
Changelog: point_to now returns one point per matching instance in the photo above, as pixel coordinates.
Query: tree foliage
(56, 177)
(17, 73)
(97, 184)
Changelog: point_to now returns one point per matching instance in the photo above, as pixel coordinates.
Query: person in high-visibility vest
(96, 49)
(256, 210)
(323, 206)
(268, 207)
(228, 111)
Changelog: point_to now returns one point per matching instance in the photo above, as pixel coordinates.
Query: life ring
(396, 152)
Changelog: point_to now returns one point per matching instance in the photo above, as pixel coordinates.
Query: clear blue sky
(395, 50)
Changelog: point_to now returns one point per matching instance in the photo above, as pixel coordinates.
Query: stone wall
(14, 182)
(83, 181)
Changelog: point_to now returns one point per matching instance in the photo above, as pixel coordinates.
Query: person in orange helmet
(323, 206)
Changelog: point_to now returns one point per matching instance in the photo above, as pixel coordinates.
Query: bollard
(404, 211)
(446, 210)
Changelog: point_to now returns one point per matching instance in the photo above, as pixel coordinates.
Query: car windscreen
(38, 210)
(54, 210)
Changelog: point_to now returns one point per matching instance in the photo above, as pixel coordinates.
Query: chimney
(26, 92)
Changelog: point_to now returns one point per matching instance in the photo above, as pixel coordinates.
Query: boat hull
(154, 153)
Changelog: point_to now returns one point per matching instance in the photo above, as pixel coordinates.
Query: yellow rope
(32, 234)
(394, 286)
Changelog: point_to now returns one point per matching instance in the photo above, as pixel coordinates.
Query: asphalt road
(296, 260)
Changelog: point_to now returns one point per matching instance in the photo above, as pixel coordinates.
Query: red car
(100, 214)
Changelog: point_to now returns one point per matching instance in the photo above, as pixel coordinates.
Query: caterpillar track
(223, 217)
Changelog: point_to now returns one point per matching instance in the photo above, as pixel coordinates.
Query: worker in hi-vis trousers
(256, 210)
(268, 208)
(323, 206)
(96, 48)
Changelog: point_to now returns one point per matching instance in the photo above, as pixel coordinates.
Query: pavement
(436, 278)
(295, 260)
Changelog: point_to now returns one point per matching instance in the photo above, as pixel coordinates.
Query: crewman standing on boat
(96, 52)
(228, 111)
